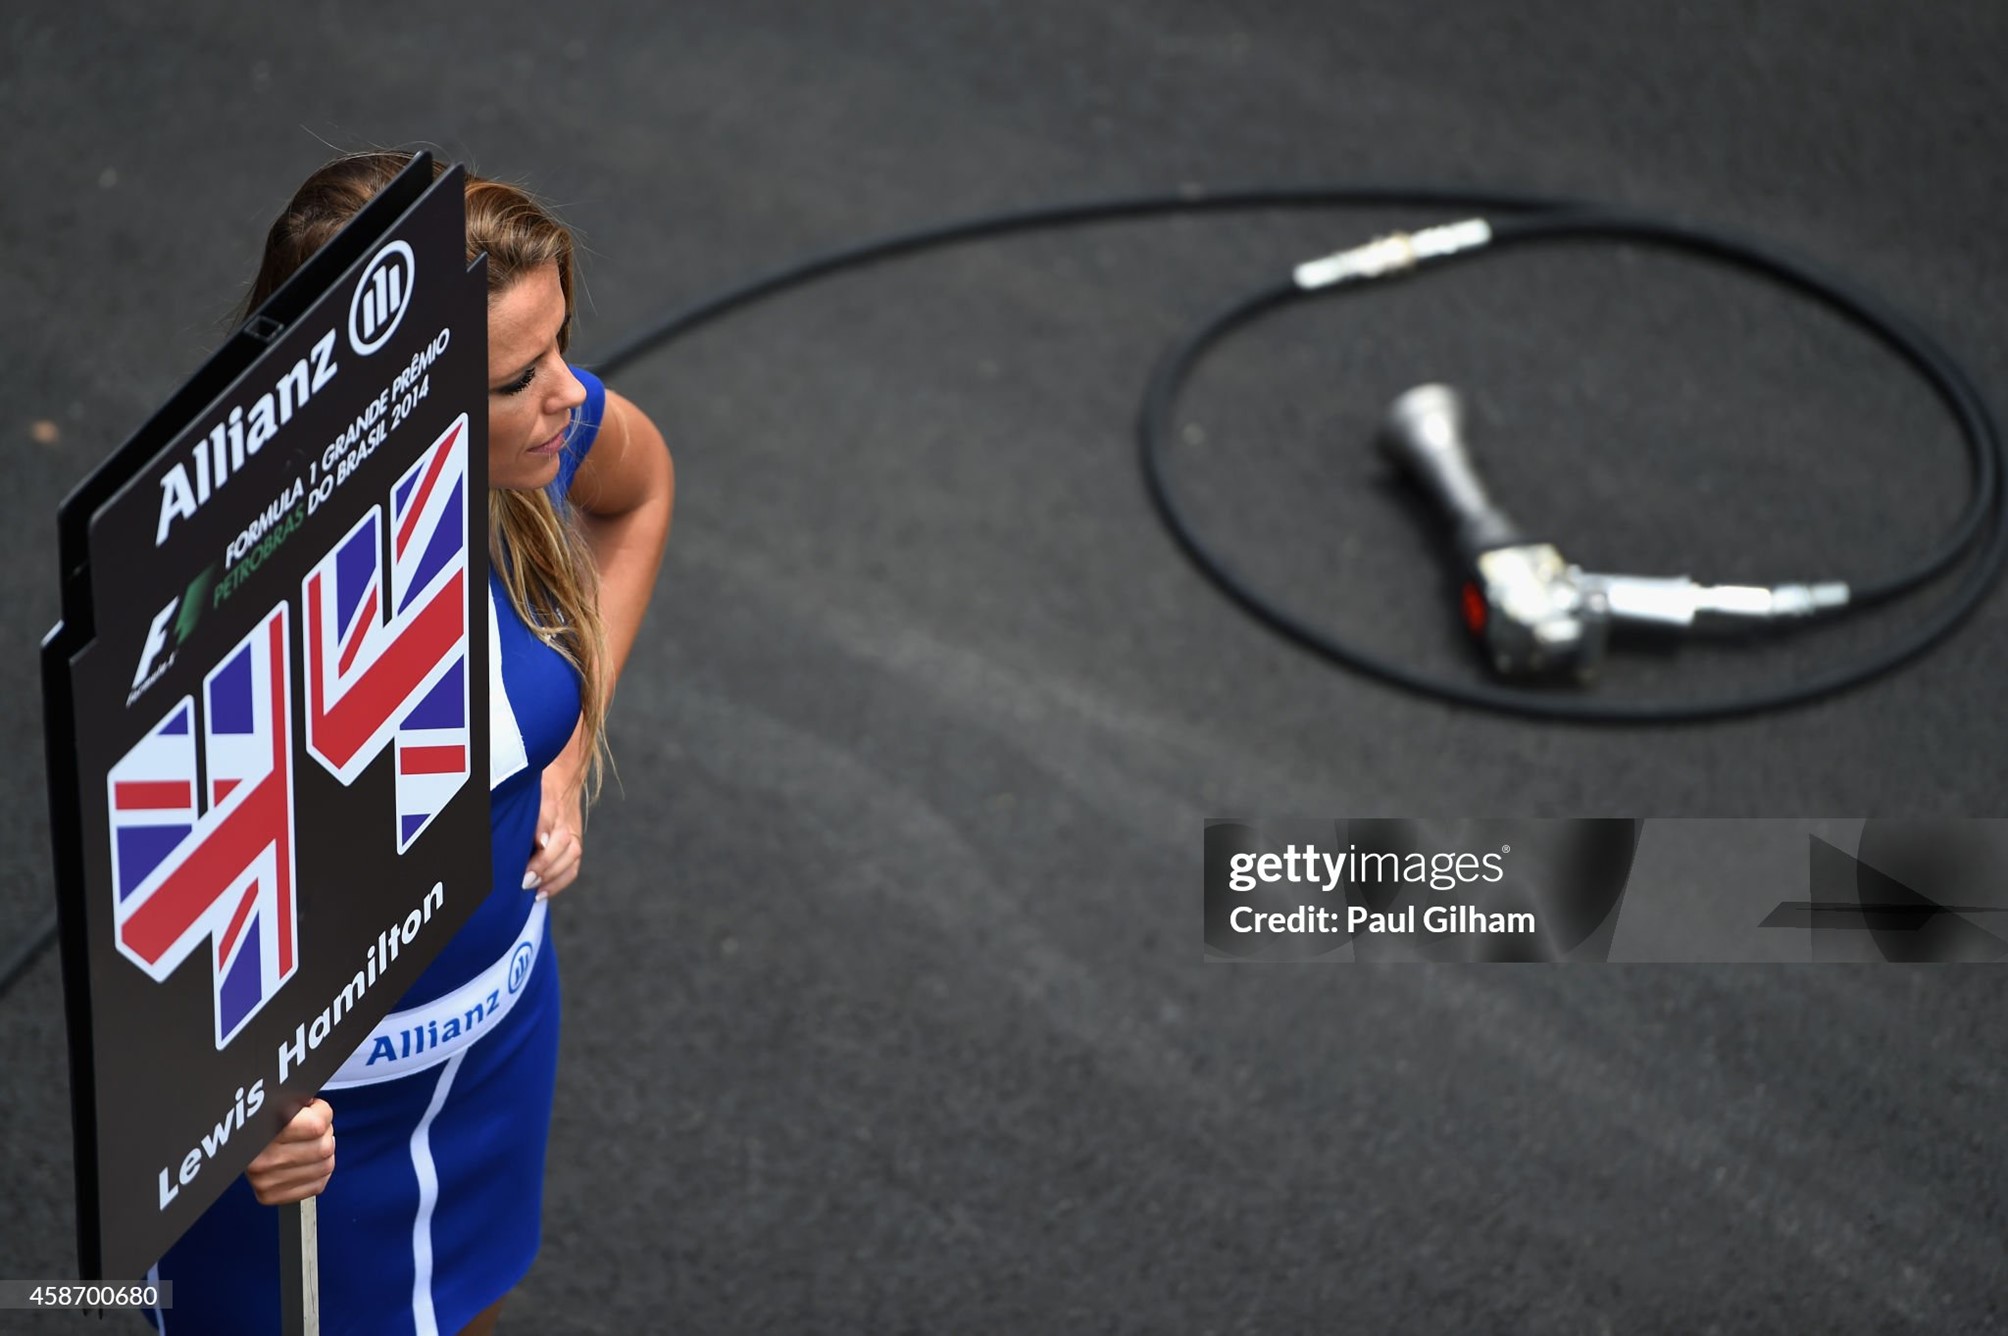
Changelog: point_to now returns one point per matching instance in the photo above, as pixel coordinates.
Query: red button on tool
(1474, 609)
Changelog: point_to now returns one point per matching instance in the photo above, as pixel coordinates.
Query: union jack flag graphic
(191, 866)
(386, 642)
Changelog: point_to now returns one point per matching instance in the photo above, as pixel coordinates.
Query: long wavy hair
(534, 541)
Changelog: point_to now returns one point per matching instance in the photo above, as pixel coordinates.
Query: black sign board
(267, 717)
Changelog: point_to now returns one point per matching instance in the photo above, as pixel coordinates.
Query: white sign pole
(300, 1269)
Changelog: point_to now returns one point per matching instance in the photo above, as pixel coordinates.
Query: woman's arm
(624, 492)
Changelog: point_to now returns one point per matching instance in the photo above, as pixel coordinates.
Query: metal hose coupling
(1392, 254)
(1678, 603)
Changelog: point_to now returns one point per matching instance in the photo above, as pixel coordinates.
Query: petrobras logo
(382, 296)
(202, 821)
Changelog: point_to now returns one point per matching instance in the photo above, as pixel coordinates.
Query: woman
(434, 1215)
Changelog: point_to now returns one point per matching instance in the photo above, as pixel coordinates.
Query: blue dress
(434, 1208)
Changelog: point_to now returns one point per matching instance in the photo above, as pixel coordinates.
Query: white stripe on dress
(506, 753)
(428, 1193)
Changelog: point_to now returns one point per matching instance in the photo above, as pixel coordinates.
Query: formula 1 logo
(382, 294)
(189, 606)
(220, 869)
(156, 641)
(386, 658)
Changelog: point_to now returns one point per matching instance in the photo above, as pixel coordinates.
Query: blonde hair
(534, 541)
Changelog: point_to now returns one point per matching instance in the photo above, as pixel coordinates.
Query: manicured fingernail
(530, 880)
(544, 839)
(542, 896)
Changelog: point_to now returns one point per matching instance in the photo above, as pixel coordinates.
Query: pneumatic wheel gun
(1536, 614)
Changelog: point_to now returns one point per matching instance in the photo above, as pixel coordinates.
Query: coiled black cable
(1981, 529)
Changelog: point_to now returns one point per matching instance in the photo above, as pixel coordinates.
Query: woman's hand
(299, 1161)
(555, 864)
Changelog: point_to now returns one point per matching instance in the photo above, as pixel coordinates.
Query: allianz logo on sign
(380, 299)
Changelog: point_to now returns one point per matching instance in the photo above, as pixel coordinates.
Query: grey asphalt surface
(885, 1009)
